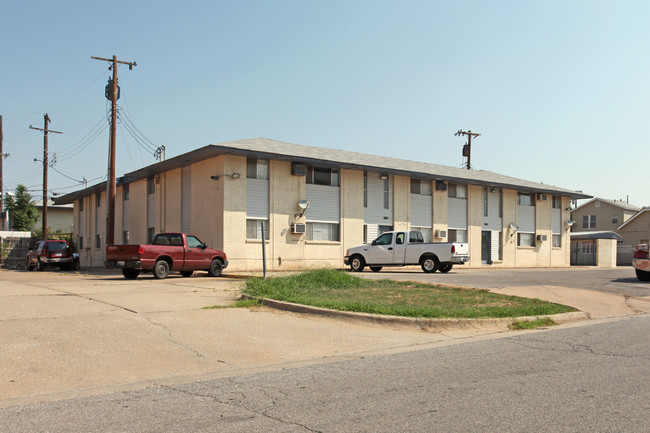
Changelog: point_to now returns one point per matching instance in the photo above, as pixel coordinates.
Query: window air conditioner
(298, 169)
(542, 197)
(541, 237)
(298, 228)
(441, 186)
(440, 234)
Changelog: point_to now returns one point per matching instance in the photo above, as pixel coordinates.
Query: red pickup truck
(168, 252)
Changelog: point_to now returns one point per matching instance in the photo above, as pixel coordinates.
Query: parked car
(641, 262)
(406, 248)
(52, 252)
(168, 252)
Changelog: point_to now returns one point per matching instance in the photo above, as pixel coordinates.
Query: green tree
(22, 211)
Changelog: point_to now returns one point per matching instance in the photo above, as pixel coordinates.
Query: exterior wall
(633, 234)
(170, 196)
(606, 253)
(562, 256)
(474, 224)
(218, 217)
(58, 218)
(604, 213)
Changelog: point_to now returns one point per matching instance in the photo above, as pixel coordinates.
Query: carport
(594, 249)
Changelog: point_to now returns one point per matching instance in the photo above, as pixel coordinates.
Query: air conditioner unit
(298, 169)
(542, 197)
(441, 234)
(441, 186)
(541, 237)
(298, 228)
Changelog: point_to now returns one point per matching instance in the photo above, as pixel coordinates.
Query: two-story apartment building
(314, 203)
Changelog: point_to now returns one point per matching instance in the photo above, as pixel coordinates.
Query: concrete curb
(429, 325)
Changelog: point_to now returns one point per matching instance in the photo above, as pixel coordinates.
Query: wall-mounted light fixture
(383, 177)
(569, 224)
(234, 176)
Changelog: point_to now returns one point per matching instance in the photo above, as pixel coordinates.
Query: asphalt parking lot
(67, 334)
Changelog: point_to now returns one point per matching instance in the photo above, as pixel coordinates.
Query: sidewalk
(64, 335)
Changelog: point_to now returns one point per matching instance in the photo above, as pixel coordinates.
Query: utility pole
(467, 149)
(112, 93)
(45, 131)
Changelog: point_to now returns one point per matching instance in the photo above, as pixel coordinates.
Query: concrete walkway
(64, 335)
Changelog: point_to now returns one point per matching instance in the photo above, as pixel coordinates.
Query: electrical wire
(84, 142)
(79, 92)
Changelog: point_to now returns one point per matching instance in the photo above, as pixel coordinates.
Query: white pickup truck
(406, 248)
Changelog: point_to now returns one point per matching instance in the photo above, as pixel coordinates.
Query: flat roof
(264, 148)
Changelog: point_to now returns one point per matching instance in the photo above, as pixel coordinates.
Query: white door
(381, 250)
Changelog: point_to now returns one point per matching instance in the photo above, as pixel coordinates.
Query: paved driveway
(64, 334)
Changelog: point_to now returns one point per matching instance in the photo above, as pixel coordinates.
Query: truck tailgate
(122, 252)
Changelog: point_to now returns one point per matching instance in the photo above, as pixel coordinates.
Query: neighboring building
(600, 215)
(224, 193)
(634, 231)
(59, 216)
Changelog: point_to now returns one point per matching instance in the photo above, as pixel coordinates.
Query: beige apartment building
(314, 203)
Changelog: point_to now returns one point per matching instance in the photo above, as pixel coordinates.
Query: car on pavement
(641, 262)
(52, 252)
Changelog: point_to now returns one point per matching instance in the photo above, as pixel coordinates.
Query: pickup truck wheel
(215, 268)
(186, 273)
(446, 268)
(130, 274)
(375, 268)
(430, 264)
(642, 275)
(161, 269)
(357, 263)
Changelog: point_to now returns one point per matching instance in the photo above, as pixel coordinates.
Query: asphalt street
(578, 379)
(620, 280)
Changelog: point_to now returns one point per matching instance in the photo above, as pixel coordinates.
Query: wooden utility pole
(467, 149)
(45, 131)
(113, 95)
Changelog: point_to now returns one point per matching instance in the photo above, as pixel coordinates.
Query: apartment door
(486, 247)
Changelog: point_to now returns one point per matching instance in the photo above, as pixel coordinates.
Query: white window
(525, 199)
(323, 176)
(419, 186)
(525, 239)
(557, 202)
(322, 232)
(615, 218)
(454, 235)
(557, 241)
(254, 229)
(257, 168)
(457, 191)
(589, 221)
(386, 193)
(426, 232)
(365, 189)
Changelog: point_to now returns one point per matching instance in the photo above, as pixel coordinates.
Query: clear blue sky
(559, 90)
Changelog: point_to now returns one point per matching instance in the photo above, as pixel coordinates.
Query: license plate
(120, 263)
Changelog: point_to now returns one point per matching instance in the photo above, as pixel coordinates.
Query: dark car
(52, 252)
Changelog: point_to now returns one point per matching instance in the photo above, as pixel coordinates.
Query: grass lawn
(342, 291)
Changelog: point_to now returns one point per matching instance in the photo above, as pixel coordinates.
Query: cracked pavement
(65, 335)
